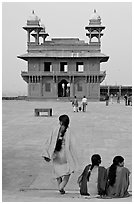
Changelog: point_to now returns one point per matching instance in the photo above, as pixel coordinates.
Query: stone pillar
(71, 89)
(55, 86)
(28, 85)
(86, 80)
(37, 36)
(89, 79)
(97, 79)
(55, 89)
(98, 91)
(99, 36)
(71, 81)
(90, 36)
(120, 91)
(87, 87)
(28, 36)
(108, 89)
(41, 86)
(92, 79)
(38, 79)
(44, 39)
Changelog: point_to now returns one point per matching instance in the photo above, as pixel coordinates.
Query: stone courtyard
(106, 130)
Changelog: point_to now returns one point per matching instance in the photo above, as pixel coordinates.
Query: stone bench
(47, 110)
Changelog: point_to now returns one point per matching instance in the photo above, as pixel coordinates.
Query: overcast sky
(67, 20)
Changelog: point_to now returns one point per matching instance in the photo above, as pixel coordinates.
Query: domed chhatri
(94, 19)
(35, 28)
(33, 19)
(95, 16)
(94, 28)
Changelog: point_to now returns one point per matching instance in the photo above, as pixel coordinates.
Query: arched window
(94, 39)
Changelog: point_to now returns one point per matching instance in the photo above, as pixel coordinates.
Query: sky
(67, 19)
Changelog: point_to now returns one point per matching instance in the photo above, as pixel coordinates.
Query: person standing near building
(75, 104)
(129, 100)
(118, 97)
(126, 99)
(84, 103)
(111, 97)
(60, 150)
(107, 99)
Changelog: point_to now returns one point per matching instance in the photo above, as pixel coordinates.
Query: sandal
(62, 191)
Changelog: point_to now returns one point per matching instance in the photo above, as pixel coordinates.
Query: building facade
(63, 67)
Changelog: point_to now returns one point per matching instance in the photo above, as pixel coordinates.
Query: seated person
(118, 178)
(92, 181)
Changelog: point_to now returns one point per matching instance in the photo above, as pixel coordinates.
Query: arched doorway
(63, 88)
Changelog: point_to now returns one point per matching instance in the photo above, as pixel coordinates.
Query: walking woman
(60, 150)
(118, 178)
(92, 181)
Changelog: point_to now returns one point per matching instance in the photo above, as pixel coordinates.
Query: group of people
(95, 179)
(76, 106)
(112, 182)
(127, 98)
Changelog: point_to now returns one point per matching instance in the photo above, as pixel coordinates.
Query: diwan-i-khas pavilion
(63, 67)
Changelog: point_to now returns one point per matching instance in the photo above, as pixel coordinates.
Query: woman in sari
(92, 181)
(118, 179)
(60, 150)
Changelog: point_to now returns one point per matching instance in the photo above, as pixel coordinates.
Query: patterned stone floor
(26, 177)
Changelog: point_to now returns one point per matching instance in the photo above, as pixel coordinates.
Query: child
(75, 104)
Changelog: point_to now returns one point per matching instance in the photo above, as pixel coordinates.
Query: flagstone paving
(106, 130)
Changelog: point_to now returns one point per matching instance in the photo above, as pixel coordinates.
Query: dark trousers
(107, 102)
(84, 107)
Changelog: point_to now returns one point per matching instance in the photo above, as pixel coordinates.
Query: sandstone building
(63, 67)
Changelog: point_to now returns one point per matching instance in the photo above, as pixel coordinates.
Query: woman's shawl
(50, 144)
(82, 180)
(102, 178)
(120, 187)
(69, 147)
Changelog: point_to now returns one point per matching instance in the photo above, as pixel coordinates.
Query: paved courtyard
(106, 130)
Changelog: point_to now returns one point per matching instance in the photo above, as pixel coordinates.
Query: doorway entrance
(63, 88)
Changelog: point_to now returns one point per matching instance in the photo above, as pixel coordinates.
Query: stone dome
(94, 16)
(33, 17)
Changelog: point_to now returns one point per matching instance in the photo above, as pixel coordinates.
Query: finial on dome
(33, 19)
(94, 16)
